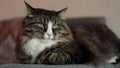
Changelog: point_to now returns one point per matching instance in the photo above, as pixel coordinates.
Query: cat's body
(100, 41)
(47, 39)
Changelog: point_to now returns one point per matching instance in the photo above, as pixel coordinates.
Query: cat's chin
(48, 38)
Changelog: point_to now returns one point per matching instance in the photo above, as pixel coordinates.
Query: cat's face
(45, 24)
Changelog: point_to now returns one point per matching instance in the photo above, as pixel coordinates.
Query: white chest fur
(34, 46)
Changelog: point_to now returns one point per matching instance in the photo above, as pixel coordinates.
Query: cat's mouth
(50, 38)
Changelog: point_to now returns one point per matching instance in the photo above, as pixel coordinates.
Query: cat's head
(46, 24)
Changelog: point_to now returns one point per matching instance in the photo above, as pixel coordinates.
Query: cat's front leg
(55, 58)
(59, 58)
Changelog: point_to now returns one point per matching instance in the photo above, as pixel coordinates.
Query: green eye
(55, 27)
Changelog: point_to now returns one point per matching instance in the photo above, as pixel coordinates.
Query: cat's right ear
(61, 12)
(30, 9)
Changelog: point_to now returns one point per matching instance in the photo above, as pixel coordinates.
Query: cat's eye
(39, 26)
(30, 15)
(55, 27)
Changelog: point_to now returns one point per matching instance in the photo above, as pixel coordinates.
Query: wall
(77, 8)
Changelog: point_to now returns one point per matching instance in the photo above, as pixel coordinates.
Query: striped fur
(41, 29)
(47, 39)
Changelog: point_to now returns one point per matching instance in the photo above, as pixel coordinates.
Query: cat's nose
(49, 34)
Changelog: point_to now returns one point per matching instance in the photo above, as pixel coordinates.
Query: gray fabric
(86, 20)
(57, 66)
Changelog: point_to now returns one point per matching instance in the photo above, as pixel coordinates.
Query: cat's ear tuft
(30, 9)
(62, 12)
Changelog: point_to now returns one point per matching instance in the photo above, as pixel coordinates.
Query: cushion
(9, 39)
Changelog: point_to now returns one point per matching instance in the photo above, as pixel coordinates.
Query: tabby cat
(47, 39)
(42, 29)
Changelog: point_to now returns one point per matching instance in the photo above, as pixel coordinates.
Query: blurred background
(110, 9)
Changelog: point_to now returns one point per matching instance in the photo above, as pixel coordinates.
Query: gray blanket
(57, 66)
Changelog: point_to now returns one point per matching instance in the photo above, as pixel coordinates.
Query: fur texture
(47, 39)
(41, 29)
(93, 44)
(99, 39)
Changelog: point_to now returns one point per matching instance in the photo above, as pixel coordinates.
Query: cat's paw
(59, 58)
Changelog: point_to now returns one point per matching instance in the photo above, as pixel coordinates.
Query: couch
(9, 39)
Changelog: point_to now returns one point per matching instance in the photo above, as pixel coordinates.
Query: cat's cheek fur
(35, 46)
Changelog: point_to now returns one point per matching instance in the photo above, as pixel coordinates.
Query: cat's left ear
(30, 9)
(62, 12)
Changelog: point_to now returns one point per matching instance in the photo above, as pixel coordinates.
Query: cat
(41, 29)
(47, 39)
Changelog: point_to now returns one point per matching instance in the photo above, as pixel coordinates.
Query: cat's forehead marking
(50, 23)
(49, 29)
